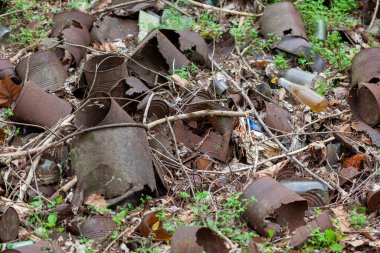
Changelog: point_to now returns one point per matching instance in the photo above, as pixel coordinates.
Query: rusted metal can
(35, 106)
(368, 103)
(103, 71)
(365, 67)
(373, 200)
(275, 206)
(84, 19)
(97, 227)
(44, 68)
(100, 109)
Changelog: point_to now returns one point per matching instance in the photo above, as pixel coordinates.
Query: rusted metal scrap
(364, 98)
(75, 39)
(126, 89)
(196, 240)
(35, 106)
(301, 234)
(109, 29)
(84, 19)
(212, 134)
(276, 206)
(162, 51)
(278, 118)
(44, 68)
(110, 161)
(103, 72)
(315, 192)
(282, 19)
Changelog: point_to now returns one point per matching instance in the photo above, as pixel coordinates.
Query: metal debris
(196, 240)
(47, 110)
(276, 206)
(109, 29)
(44, 69)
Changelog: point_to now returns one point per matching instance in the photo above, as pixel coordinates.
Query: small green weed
(322, 87)
(186, 71)
(208, 28)
(243, 32)
(280, 61)
(358, 219)
(322, 241)
(224, 220)
(81, 5)
(8, 129)
(174, 19)
(34, 14)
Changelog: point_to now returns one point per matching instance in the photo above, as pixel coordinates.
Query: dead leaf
(341, 215)
(273, 170)
(97, 201)
(317, 152)
(9, 91)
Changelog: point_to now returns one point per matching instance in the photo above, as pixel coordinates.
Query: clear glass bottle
(316, 102)
(302, 77)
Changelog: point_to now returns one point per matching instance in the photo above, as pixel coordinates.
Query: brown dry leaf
(97, 201)
(8, 92)
(101, 4)
(273, 170)
(317, 152)
(341, 215)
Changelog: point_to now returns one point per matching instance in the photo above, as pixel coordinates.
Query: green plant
(208, 28)
(87, 245)
(173, 19)
(322, 87)
(28, 20)
(280, 61)
(321, 241)
(82, 5)
(224, 220)
(358, 219)
(8, 129)
(243, 32)
(186, 71)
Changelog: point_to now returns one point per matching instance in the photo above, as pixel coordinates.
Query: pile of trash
(104, 119)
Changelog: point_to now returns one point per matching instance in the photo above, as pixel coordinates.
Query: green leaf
(51, 220)
(330, 235)
(336, 247)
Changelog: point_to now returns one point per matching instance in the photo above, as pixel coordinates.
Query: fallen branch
(374, 15)
(64, 188)
(206, 6)
(119, 6)
(198, 114)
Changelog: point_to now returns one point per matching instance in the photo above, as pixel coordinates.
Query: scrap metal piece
(364, 94)
(44, 68)
(301, 234)
(158, 56)
(100, 109)
(286, 172)
(365, 67)
(4, 34)
(158, 108)
(97, 227)
(48, 171)
(128, 87)
(373, 200)
(103, 71)
(39, 247)
(315, 198)
(196, 240)
(109, 29)
(35, 106)
(189, 43)
(346, 174)
(9, 224)
(282, 19)
(84, 19)
(278, 118)
(213, 134)
(131, 9)
(276, 205)
(78, 36)
(110, 161)
(368, 103)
